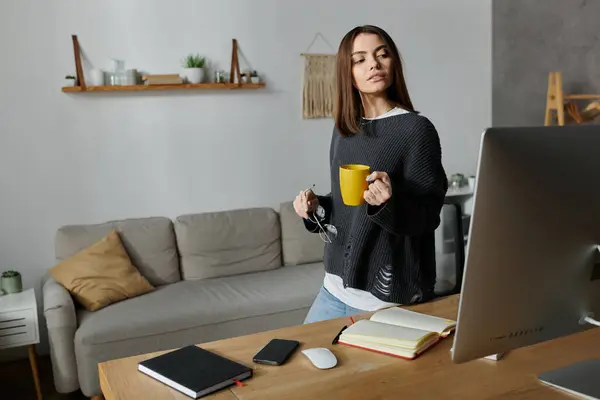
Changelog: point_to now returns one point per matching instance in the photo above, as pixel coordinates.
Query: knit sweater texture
(388, 250)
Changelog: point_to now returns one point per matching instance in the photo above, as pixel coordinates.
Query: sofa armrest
(61, 321)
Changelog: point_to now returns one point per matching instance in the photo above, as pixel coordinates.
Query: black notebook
(194, 371)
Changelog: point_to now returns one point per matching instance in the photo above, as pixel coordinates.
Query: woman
(380, 254)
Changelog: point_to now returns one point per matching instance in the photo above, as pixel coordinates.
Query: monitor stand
(580, 379)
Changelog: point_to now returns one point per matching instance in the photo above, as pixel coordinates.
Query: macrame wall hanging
(319, 83)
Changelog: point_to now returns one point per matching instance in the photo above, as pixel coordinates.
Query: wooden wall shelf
(143, 88)
(235, 78)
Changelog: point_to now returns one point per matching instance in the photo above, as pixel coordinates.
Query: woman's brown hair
(348, 109)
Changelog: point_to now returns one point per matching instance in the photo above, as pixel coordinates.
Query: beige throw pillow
(101, 274)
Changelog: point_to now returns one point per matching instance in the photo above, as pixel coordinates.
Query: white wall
(89, 158)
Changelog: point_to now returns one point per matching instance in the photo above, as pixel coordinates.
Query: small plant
(70, 77)
(193, 61)
(254, 78)
(11, 282)
(10, 274)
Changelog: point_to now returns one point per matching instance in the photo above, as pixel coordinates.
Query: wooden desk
(365, 375)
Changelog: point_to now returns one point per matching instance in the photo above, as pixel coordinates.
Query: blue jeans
(327, 306)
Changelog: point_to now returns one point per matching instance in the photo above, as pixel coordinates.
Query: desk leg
(34, 370)
(459, 249)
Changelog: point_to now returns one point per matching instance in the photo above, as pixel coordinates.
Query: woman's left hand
(380, 190)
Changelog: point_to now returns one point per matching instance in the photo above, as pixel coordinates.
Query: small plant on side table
(11, 282)
(193, 68)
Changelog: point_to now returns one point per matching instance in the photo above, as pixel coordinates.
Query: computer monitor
(531, 271)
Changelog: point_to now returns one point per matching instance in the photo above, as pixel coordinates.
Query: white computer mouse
(321, 357)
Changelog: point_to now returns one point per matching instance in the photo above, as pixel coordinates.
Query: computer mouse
(321, 357)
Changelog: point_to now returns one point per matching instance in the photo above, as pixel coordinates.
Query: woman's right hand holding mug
(306, 202)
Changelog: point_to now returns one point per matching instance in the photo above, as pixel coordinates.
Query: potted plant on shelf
(11, 282)
(70, 80)
(254, 77)
(193, 68)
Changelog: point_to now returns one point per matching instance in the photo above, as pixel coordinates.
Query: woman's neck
(375, 105)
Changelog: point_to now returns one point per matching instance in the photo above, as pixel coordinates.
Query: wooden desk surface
(366, 375)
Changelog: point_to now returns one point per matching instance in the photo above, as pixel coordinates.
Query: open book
(397, 332)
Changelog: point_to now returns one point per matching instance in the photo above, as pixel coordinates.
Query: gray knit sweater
(388, 250)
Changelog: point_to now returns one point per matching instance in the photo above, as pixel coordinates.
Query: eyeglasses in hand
(327, 232)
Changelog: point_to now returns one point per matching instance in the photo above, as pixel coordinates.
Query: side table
(19, 327)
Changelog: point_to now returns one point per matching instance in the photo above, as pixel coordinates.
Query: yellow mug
(353, 183)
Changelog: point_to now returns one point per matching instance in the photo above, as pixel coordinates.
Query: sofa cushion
(190, 304)
(101, 275)
(299, 246)
(150, 243)
(228, 243)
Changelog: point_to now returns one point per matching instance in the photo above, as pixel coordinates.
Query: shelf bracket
(235, 64)
(78, 68)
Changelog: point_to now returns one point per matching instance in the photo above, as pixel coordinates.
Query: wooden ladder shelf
(558, 103)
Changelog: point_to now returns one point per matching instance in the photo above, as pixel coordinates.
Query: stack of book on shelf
(167, 79)
(397, 332)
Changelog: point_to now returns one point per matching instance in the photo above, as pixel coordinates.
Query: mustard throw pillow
(101, 275)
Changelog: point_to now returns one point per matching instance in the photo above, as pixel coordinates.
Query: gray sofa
(218, 275)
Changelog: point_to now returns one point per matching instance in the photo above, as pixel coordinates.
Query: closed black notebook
(194, 371)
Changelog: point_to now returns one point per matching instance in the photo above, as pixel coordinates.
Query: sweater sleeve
(418, 191)
(325, 201)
